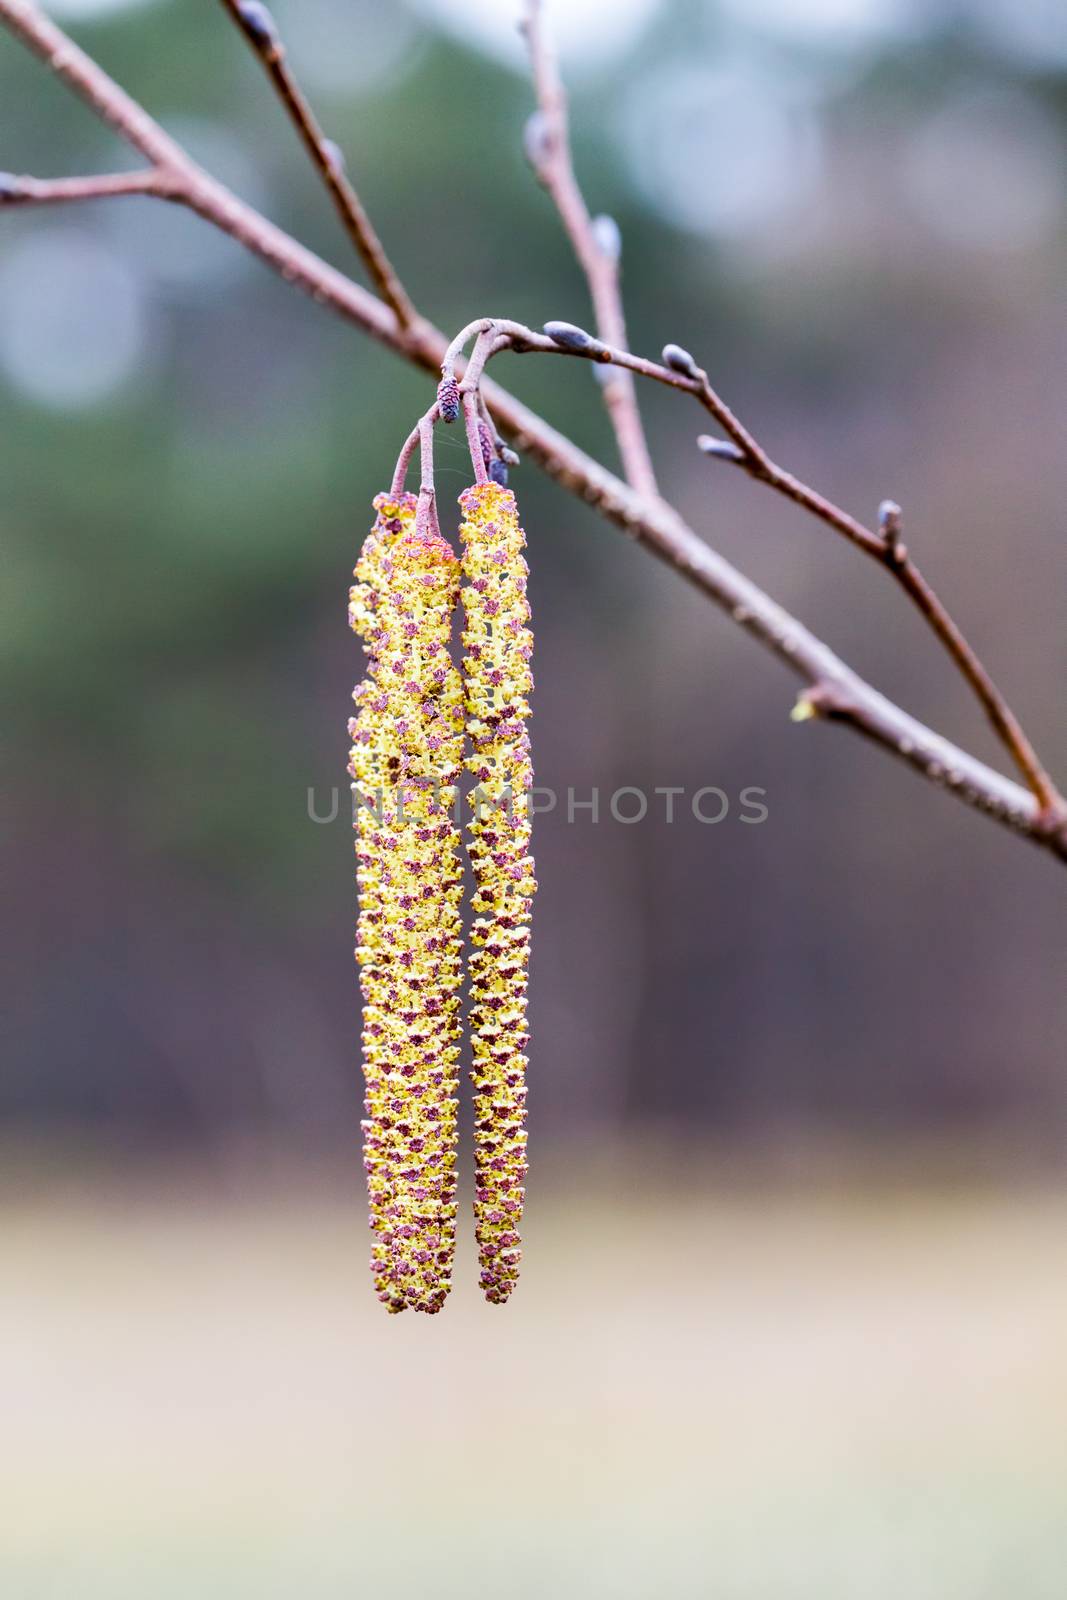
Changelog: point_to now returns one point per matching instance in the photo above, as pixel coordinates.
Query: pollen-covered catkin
(407, 743)
(497, 682)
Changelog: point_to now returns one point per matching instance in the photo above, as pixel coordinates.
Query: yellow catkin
(407, 745)
(497, 682)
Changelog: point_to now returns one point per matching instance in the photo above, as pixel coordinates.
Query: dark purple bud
(607, 237)
(569, 337)
(537, 140)
(258, 23)
(334, 156)
(488, 444)
(498, 472)
(723, 449)
(679, 360)
(448, 398)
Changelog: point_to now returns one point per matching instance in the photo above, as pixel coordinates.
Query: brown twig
(887, 548)
(259, 28)
(896, 558)
(595, 243)
(411, 443)
(680, 371)
(18, 190)
(834, 690)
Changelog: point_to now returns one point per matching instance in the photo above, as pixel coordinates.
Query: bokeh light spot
(73, 323)
(722, 150)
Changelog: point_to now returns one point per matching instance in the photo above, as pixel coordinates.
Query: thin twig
(18, 190)
(657, 526)
(426, 511)
(890, 552)
(472, 421)
(259, 28)
(484, 346)
(597, 248)
(413, 441)
(885, 547)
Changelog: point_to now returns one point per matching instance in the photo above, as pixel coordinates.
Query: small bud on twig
(890, 524)
(537, 140)
(607, 237)
(498, 472)
(448, 398)
(805, 708)
(723, 449)
(258, 23)
(508, 455)
(679, 360)
(9, 186)
(568, 336)
(335, 156)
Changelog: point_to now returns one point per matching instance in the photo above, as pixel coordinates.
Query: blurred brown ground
(832, 1389)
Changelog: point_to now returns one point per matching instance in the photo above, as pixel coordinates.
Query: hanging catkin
(406, 755)
(497, 682)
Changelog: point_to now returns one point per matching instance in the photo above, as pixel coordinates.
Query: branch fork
(833, 690)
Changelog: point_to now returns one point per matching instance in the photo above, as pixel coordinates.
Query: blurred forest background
(854, 212)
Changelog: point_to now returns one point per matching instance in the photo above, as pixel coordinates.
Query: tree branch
(259, 28)
(889, 551)
(680, 371)
(595, 242)
(834, 691)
